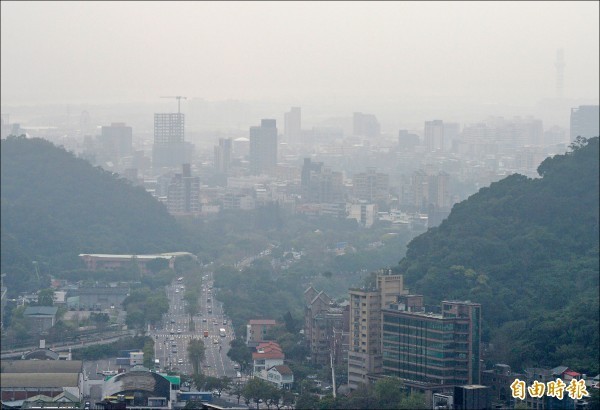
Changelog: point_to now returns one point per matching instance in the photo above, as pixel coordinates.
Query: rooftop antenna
(560, 70)
(179, 97)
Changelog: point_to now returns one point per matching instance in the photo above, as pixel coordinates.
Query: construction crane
(37, 270)
(179, 97)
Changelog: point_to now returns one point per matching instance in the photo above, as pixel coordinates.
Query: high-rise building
(325, 327)
(307, 169)
(116, 141)
(430, 350)
(408, 141)
(364, 350)
(371, 186)
(183, 193)
(169, 146)
(434, 135)
(365, 125)
(223, 155)
(263, 147)
(430, 190)
(585, 121)
(292, 124)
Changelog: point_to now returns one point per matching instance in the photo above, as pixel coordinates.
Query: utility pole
(178, 97)
(332, 369)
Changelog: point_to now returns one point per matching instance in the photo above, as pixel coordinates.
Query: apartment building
(432, 351)
(326, 327)
(364, 349)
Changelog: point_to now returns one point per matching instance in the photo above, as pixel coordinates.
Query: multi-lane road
(173, 337)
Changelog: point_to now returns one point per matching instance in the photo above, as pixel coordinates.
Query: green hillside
(527, 250)
(55, 206)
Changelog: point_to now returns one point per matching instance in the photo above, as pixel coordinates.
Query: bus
(222, 332)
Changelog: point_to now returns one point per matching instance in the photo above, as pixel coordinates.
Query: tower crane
(178, 97)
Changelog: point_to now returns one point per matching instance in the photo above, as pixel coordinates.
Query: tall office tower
(371, 186)
(223, 155)
(365, 125)
(183, 193)
(364, 350)
(292, 124)
(451, 134)
(434, 135)
(438, 190)
(116, 141)
(407, 141)
(432, 351)
(263, 147)
(585, 121)
(420, 190)
(169, 146)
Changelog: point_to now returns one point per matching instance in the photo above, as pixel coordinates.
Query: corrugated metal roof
(41, 366)
(39, 380)
(40, 310)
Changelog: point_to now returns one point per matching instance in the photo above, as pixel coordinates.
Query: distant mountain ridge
(55, 206)
(527, 249)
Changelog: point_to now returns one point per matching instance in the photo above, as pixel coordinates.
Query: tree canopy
(527, 250)
(55, 206)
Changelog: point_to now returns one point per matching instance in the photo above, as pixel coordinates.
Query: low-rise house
(99, 297)
(257, 329)
(281, 376)
(267, 355)
(64, 400)
(41, 318)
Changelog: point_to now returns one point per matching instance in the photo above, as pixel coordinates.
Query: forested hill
(527, 250)
(55, 206)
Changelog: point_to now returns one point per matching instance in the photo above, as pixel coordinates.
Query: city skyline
(301, 53)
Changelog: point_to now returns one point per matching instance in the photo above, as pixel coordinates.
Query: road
(173, 337)
(98, 340)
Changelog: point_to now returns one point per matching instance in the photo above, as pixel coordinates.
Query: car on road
(204, 319)
(180, 361)
(178, 330)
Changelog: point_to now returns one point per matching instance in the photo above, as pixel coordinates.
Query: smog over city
(300, 204)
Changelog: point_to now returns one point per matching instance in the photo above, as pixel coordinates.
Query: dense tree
(239, 353)
(236, 389)
(157, 265)
(55, 206)
(46, 297)
(148, 350)
(527, 250)
(256, 390)
(196, 353)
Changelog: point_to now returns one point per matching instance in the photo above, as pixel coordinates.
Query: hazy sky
(484, 52)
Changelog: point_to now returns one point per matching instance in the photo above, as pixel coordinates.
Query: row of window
(428, 324)
(430, 375)
(402, 336)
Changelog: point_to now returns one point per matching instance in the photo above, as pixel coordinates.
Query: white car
(180, 361)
